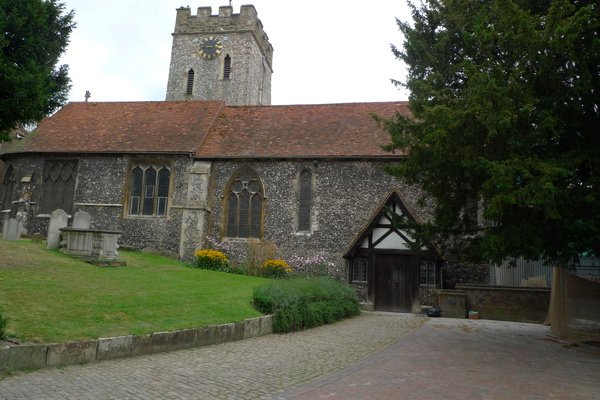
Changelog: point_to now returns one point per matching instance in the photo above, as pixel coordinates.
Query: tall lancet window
(227, 67)
(190, 82)
(305, 199)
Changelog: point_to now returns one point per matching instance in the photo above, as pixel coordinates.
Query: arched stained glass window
(244, 205)
(304, 200)
(190, 82)
(149, 190)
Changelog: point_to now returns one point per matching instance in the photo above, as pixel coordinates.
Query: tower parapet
(204, 22)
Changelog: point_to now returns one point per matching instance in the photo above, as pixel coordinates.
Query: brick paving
(464, 359)
(374, 356)
(257, 368)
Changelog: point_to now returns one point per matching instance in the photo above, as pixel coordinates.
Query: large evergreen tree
(505, 103)
(35, 34)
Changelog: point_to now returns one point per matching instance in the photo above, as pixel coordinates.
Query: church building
(217, 165)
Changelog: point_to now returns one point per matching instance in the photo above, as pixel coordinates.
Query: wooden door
(396, 282)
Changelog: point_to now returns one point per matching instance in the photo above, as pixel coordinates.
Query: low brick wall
(507, 303)
(34, 356)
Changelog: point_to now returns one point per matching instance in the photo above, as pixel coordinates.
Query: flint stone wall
(345, 195)
(101, 190)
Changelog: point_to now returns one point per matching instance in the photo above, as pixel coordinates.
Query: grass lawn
(50, 297)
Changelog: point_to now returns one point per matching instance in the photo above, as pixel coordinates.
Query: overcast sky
(332, 51)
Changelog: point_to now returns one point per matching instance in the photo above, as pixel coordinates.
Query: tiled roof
(321, 130)
(129, 127)
(211, 130)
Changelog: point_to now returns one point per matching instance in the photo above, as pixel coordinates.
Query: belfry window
(149, 191)
(58, 186)
(305, 199)
(244, 208)
(190, 82)
(9, 188)
(227, 67)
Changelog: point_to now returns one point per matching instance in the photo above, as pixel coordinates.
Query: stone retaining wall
(35, 356)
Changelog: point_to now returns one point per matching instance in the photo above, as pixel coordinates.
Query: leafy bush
(211, 259)
(275, 269)
(301, 303)
(3, 325)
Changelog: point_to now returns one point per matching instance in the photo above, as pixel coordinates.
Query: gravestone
(81, 220)
(12, 230)
(58, 219)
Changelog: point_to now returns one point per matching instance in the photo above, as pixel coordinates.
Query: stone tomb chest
(92, 245)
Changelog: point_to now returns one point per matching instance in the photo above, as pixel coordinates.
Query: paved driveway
(374, 356)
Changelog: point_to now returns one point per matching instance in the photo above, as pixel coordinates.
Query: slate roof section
(211, 130)
(122, 127)
(305, 131)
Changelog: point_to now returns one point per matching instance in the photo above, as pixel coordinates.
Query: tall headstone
(58, 219)
(12, 230)
(81, 220)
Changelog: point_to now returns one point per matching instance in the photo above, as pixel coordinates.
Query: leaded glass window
(427, 272)
(244, 205)
(359, 269)
(9, 188)
(305, 199)
(58, 186)
(149, 191)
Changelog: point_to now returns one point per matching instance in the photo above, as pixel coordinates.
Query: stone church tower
(220, 57)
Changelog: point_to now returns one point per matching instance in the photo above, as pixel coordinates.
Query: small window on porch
(427, 273)
(359, 269)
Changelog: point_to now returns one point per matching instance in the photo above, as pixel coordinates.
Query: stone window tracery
(244, 206)
(58, 186)
(149, 191)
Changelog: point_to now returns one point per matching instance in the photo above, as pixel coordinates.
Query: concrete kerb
(60, 354)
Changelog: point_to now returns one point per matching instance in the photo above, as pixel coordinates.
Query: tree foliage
(505, 127)
(35, 34)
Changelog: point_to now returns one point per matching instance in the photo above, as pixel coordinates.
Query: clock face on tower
(210, 48)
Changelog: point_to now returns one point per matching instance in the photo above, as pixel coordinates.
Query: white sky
(324, 51)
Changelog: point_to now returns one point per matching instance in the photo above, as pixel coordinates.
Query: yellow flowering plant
(275, 268)
(211, 259)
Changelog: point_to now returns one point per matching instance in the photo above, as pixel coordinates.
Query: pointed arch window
(149, 191)
(244, 205)
(227, 67)
(9, 188)
(58, 186)
(305, 200)
(190, 82)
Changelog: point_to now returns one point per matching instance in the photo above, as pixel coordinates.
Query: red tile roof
(130, 127)
(211, 130)
(320, 130)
